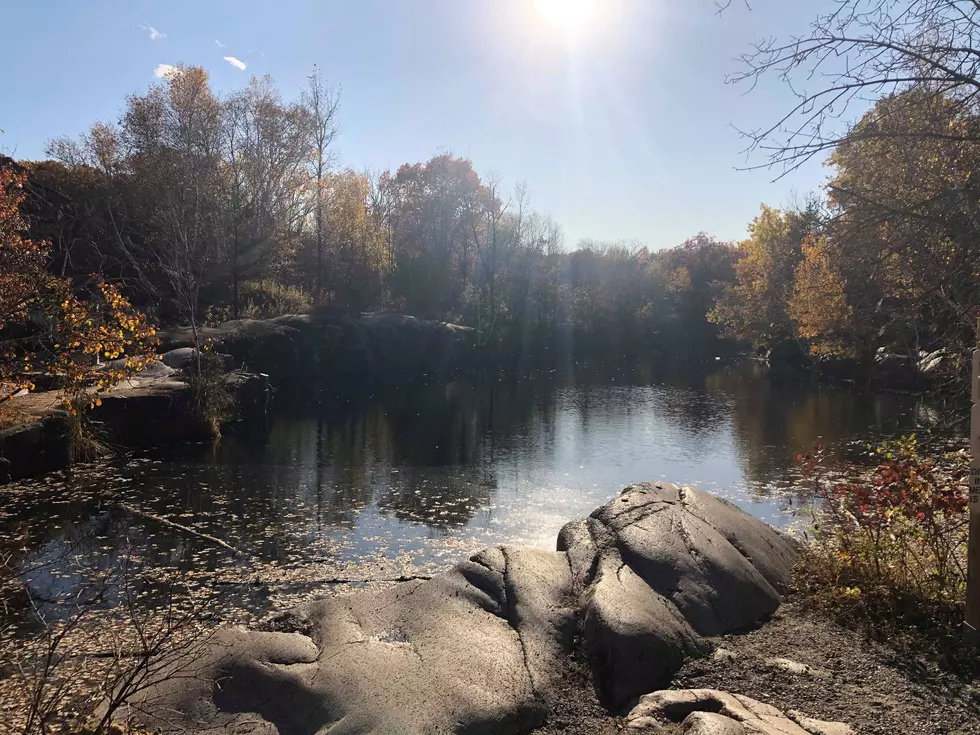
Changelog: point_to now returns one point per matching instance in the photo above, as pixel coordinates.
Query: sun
(567, 15)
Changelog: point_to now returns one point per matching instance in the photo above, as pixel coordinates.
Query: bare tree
(266, 149)
(860, 51)
(173, 136)
(321, 103)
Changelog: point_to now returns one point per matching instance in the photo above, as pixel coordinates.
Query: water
(389, 482)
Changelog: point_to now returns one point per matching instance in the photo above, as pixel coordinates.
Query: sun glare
(567, 15)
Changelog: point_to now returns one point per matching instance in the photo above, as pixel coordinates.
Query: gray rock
(180, 358)
(724, 654)
(183, 358)
(711, 723)
(892, 363)
(669, 565)
(795, 667)
(474, 650)
(819, 727)
(156, 370)
(930, 362)
(644, 726)
(485, 648)
(740, 711)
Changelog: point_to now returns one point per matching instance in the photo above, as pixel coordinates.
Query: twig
(180, 527)
(334, 580)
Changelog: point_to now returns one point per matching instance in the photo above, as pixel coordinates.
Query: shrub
(212, 401)
(891, 543)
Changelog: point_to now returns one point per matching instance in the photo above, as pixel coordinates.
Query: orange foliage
(50, 327)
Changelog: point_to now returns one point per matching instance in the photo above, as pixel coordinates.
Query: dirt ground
(869, 685)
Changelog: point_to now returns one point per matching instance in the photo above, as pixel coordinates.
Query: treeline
(210, 208)
(889, 260)
(207, 208)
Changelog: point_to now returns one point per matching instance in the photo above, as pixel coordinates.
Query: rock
(930, 362)
(645, 726)
(251, 391)
(711, 723)
(819, 727)
(688, 705)
(661, 567)
(473, 650)
(795, 667)
(324, 345)
(156, 370)
(486, 646)
(891, 363)
(724, 654)
(179, 358)
(183, 358)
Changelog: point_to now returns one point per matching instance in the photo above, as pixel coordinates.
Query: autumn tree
(266, 144)
(54, 326)
(906, 216)
(754, 307)
(173, 138)
(354, 240)
(434, 223)
(689, 277)
(818, 304)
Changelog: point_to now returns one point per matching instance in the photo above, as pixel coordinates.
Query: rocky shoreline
(151, 408)
(493, 645)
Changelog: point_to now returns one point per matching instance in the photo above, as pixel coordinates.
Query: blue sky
(622, 129)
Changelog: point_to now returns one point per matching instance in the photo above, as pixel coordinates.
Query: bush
(890, 543)
(263, 300)
(213, 402)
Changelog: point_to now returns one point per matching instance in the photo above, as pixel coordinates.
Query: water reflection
(418, 476)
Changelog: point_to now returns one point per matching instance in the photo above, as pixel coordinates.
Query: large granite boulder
(485, 647)
(661, 567)
(474, 650)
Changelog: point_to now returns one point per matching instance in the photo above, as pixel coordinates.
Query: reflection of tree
(775, 420)
(431, 454)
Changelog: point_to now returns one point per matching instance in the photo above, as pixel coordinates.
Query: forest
(196, 207)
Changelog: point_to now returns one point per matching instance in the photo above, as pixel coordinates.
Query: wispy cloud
(163, 71)
(154, 33)
(237, 63)
(220, 45)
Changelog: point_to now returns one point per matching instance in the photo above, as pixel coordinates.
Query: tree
(355, 241)
(753, 308)
(818, 304)
(690, 276)
(266, 148)
(49, 324)
(434, 224)
(321, 104)
(173, 138)
(865, 49)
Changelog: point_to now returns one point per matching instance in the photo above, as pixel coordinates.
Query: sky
(622, 125)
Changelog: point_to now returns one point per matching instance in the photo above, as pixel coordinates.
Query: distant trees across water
(202, 208)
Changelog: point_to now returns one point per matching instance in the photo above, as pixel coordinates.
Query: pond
(377, 483)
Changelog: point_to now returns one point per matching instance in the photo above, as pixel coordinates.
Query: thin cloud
(154, 33)
(164, 71)
(237, 63)
(220, 45)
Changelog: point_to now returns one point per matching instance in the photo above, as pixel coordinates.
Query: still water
(394, 480)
